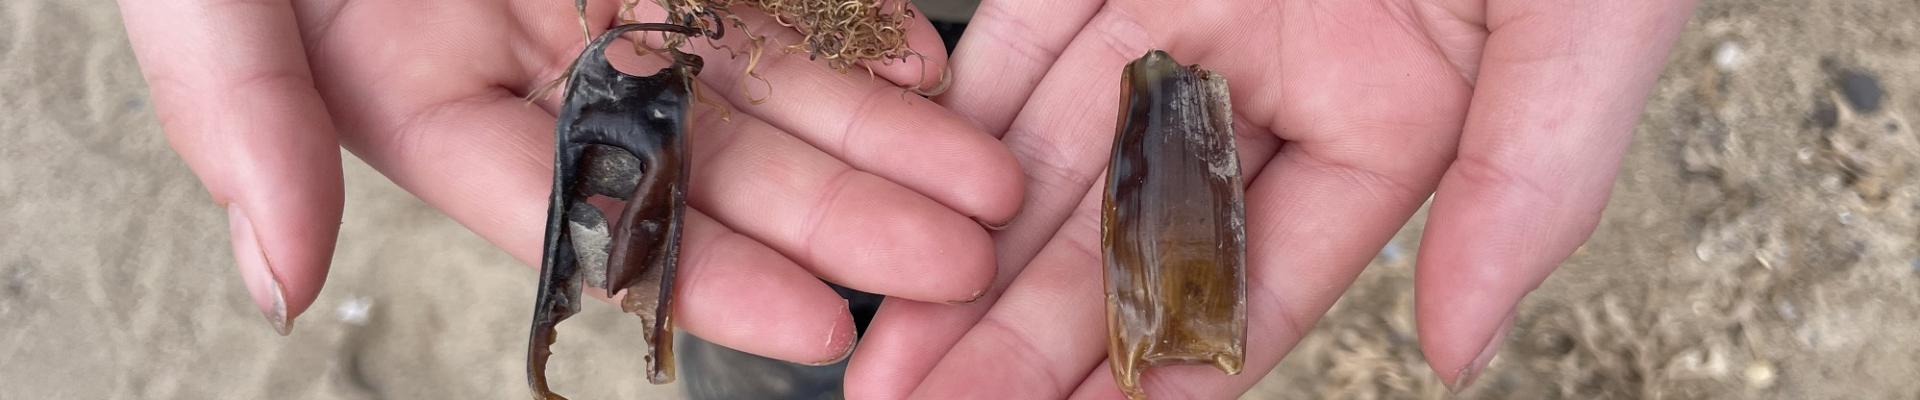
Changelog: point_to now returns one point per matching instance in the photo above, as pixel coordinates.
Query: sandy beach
(1760, 244)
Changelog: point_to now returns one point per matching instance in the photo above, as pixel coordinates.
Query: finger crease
(1041, 157)
(1020, 40)
(1025, 353)
(703, 258)
(719, 141)
(318, 34)
(271, 82)
(861, 113)
(1108, 25)
(1478, 171)
(829, 195)
(1283, 317)
(1368, 179)
(1071, 237)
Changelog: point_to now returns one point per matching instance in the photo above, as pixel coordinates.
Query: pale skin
(1512, 115)
(837, 176)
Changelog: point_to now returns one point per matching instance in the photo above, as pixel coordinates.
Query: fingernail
(946, 82)
(257, 272)
(1465, 377)
(842, 329)
(842, 357)
(991, 226)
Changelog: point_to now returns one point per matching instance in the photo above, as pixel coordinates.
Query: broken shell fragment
(623, 137)
(1173, 224)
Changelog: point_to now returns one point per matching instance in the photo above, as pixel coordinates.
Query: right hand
(1513, 115)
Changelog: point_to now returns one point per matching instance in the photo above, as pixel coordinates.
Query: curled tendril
(844, 34)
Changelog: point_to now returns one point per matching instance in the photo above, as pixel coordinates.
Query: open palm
(838, 175)
(1512, 115)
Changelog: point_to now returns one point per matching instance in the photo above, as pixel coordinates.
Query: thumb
(232, 90)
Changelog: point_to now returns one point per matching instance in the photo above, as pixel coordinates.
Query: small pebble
(1862, 90)
(1557, 344)
(1728, 56)
(355, 310)
(1760, 375)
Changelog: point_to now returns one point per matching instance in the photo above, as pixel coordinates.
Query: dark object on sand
(1173, 224)
(1861, 89)
(623, 137)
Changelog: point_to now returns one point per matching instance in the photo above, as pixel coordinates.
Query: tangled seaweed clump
(843, 32)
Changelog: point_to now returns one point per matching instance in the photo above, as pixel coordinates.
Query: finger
(846, 225)
(923, 71)
(1008, 47)
(1174, 381)
(870, 124)
(487, 162)
(1042, 335)
(234, 95)
(1550, 120)
(740, 294)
